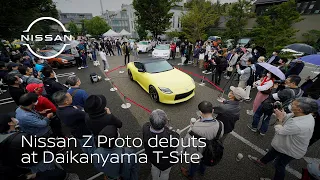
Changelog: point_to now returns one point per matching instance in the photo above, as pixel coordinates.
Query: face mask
(274, 53)
(255, 51)
(290, 107)
(36, 103)
(41, 61)
(20, 81)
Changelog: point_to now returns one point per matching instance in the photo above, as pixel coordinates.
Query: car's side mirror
(140, 70)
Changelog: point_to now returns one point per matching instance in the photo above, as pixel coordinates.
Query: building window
(312, 4)
(178, 22)
(173, 18)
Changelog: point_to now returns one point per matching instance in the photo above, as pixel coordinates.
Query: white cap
(238, 92)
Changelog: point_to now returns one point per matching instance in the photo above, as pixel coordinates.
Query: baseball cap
(238, 92)
(33, 86)
(11, 65)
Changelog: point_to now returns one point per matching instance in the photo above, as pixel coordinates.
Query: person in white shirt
(232, 62)
(245, 58)
(292, 135)
(104, 60)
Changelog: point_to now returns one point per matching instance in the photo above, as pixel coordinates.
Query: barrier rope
(199, 76)
(132, 101)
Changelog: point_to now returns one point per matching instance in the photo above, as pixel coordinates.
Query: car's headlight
(165, 90)
(64, 60)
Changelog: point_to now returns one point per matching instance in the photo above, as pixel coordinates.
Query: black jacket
(16, 93)
(164, 163)
(74, 119)
(51, 86)
(228, 113)
(96, 123)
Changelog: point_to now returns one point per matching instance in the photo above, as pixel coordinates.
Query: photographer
(289, 91)
(292, 135)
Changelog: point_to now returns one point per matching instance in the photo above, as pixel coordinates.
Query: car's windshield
(143, 42)
(157, 66)
(50, 53)
(244, 41)
(162, 47)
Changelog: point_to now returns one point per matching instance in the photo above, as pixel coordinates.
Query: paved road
(241, 141)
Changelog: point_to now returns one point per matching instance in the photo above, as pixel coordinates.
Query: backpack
(251, 80)
(213, 152)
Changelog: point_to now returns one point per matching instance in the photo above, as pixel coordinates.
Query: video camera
(277, 105)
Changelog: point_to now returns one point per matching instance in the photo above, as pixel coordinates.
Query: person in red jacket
(173, 50)
(44, 105)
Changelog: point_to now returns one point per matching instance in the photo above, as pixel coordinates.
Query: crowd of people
(44, 104)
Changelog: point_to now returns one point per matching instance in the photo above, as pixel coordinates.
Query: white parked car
(162, 51)
(144, 46)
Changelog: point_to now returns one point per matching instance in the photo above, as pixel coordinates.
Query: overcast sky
(93, 6)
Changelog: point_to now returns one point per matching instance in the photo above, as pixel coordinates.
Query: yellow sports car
(163, 82)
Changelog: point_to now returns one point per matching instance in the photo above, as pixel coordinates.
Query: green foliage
(141, 32)
(73, 28)
(198, 20)
(96, 26)
(154, 15)
(16, 15)
(274, 28)
(174, 34)
(312, 38)
(237, 18)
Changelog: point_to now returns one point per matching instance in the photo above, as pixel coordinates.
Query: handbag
(230, 68)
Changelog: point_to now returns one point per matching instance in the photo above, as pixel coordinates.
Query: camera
(280, 81)
(277, 105)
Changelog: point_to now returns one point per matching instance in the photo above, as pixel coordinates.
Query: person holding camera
(292, 135)
(246, 73)
(289, 91)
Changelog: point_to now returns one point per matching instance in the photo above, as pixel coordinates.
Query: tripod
(233, 75)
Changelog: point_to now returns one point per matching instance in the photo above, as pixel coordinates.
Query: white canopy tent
(111, 33)
(125, 33)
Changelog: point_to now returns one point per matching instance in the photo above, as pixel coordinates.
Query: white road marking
(8, 102)
(316, 72)
(66, 74)
(263, 152)
(5, 99)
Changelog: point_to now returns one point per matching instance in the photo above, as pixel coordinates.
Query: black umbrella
(261, 50)
(305, 48)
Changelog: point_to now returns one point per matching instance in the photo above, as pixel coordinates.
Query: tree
(141, 32)
(173, 34)
(237, 18)
(73, 28)
(154, 15)
(96, 26)
(312, 38)
(274, 29)
(200, 17)
(16, 16)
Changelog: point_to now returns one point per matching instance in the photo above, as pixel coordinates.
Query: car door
(142, 77)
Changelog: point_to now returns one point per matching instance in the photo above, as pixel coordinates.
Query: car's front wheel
(153, 94)
(130, 75)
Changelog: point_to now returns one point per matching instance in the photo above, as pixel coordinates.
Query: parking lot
(242, 140)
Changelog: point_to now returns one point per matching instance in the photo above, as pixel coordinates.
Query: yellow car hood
(176, 80)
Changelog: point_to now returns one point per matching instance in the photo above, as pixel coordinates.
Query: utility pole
(101, 7)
